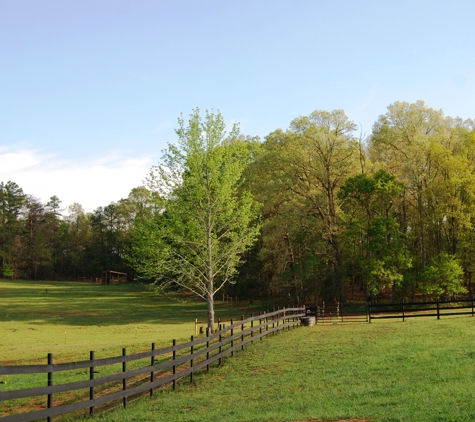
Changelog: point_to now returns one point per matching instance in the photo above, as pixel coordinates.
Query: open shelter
(113, 277)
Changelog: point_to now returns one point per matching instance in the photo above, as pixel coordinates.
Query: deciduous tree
(207, 222)
(315, 156)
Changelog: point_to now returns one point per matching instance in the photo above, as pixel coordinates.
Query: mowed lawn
(69, 319)
(418, 370)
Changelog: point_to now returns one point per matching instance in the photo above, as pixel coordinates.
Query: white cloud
(92, 183)
(17, 161)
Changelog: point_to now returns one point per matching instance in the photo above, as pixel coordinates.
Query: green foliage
(150, 252)
(383, 256)
(333, 209)
(443, 276)
(207, 222)
(301, 170)
(7, 271)
(12, 200)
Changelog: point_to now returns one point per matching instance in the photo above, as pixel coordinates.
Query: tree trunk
(210, 303)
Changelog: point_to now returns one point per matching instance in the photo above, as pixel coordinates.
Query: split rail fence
(139, 373)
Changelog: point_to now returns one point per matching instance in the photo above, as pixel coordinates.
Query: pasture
(69, 319)
(418, 370)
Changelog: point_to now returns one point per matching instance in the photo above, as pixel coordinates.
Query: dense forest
(340, 214)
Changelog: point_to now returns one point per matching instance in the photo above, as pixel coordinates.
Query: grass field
(419, 370)
(69, 319)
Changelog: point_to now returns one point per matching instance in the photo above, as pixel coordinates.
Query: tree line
(313, 211)
(45, 241)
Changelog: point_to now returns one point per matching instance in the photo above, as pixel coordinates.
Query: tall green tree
(37, 250)
(370, 202)
(429, 153)
(77, 241)
(12, 200)
(56, 233)
(311, 160)
(207, 222)
(286, 262)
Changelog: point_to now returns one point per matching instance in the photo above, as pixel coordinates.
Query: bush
(443, 276)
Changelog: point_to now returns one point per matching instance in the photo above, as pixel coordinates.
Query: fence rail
(336, 313)
(165, 366)
(437, 309)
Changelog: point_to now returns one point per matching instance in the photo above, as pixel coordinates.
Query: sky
(90, 91)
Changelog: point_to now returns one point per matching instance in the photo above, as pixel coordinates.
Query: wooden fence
(159, 367)
(422, 309)
(335, 313)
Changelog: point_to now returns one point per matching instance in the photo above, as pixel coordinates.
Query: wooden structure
(422, 309)
(158, 368)
(113, 277)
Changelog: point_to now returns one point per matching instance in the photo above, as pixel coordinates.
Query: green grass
(420, 370)
(70, 319)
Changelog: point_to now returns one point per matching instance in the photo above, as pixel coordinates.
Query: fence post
(368, 307)
(174, 366)
(207, 348)
(50, 384)
(232, 339)
(220, 346)
(124, 380)
(260, 326)
(438, 309)
(267, 323)
(242, 333)
(273, 322)
(91, 377)
(252, 327)
(196, 326)
(152, 374)
(403, 318)
(191, 360)
(472, 304)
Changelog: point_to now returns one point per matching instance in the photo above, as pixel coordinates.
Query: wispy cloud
(14, 161)
(93, 183)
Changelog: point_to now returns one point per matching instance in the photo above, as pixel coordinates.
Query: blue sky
(90, 91)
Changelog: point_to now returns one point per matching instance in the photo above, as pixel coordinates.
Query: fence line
(437, 309)
(336, 313)
(166, 366)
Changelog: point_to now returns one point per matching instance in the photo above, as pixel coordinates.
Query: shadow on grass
(82, 304)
